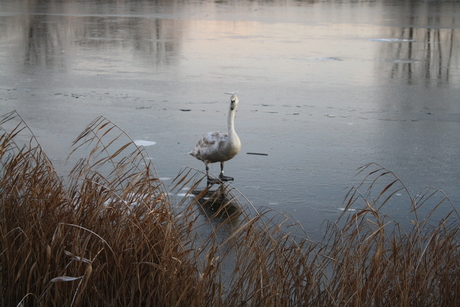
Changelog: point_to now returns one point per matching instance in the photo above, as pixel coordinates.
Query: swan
(219, 146)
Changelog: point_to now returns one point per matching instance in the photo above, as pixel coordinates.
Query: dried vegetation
(112, 235)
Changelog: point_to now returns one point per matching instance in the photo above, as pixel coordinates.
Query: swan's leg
(210, 180)
(221, 176)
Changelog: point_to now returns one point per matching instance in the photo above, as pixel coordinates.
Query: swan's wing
(211, 138)
(208, 145)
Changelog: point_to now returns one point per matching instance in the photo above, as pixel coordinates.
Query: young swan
(219, 146)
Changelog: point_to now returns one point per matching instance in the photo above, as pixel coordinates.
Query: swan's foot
(225, 178)
(212, 181)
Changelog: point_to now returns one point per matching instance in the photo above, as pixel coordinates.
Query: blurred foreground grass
(112, 235)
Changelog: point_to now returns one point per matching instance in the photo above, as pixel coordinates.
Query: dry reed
(113, 236)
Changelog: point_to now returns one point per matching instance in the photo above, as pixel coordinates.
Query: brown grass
(112, 235)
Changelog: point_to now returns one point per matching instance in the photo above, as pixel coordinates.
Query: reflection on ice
(331, 58)
(391, 40)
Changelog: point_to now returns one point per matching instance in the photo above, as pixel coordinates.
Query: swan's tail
(194, 153)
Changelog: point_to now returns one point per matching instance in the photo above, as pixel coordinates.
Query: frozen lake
(324, 88)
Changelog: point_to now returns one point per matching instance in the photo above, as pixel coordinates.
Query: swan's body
(219, 146)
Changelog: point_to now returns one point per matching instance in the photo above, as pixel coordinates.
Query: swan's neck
(231, 124)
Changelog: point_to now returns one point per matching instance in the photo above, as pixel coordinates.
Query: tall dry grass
(112, 235)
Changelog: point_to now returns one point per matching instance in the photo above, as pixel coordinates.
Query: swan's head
(233, 102)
